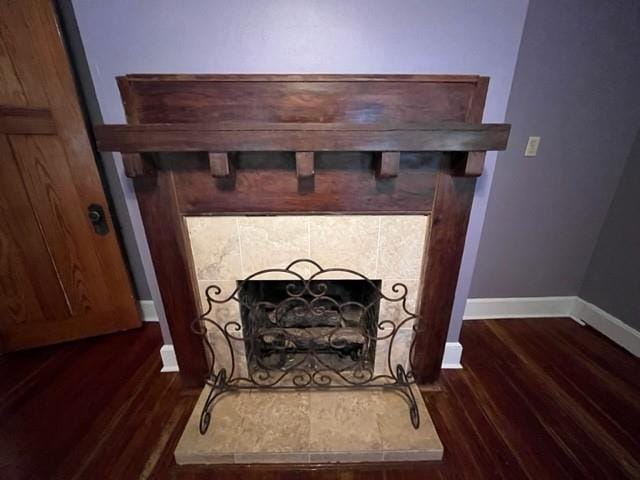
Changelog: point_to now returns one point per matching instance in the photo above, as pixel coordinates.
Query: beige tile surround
(384, 247)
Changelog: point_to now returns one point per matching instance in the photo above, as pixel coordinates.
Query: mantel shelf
(315, 137)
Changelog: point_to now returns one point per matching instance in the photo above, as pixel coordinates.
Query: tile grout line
(242, 275)
(378, 249)
(382, 283)
(309, 236)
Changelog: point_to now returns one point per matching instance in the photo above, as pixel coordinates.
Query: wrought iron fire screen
(288, 341)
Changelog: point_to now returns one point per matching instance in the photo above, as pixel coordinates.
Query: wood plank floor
(537, 399)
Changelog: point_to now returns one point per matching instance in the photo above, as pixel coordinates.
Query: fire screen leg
(218, 384)
(407, 392)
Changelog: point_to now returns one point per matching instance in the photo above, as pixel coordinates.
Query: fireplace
(262, 194)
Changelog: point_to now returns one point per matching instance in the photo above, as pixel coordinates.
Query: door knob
(97, 218)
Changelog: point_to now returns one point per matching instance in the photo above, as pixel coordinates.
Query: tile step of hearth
(309, 426)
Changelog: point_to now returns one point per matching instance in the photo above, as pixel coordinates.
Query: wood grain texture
(29, 284)
(26, 120)
(306, 77)
(202, 137)
(62, 281)
(305, 172)
(305, 164)
(219, 164)
(337, 99)
(267, 183)
(473, 166)
(387, 164)
(136, 165)
(169, 249)
(541, 398)
(451, 210)
(450, 216)
(48, 181)
(168, 245)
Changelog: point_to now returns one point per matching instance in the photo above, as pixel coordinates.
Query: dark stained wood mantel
(189, 137)
(449, 220)
(304, 144)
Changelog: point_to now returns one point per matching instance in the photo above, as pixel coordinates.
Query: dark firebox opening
(283, 332)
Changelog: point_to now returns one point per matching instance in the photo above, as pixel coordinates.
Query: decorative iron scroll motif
(286, 343)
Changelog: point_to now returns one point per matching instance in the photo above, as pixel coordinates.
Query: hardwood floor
(537, 399)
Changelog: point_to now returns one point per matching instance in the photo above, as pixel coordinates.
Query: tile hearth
(309, 426)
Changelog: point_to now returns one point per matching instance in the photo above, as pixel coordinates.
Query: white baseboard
(526, 307)
(575, 308)
(169, 362)
(452, 355)
(167, 353)
(148, 310)
(610, 326)
(451, 359)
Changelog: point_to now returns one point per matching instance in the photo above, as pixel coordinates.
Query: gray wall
(612, 281)
(290, 36)
(576, 85)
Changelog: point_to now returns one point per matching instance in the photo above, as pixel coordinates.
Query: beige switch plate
(532, 147)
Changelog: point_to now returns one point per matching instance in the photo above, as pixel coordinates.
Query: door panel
(28, 278)
(45, 172)
(59, 279)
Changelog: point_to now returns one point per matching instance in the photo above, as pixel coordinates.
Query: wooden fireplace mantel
(331, 144)
(264, 137)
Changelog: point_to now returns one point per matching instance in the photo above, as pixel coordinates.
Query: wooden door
(59, 278)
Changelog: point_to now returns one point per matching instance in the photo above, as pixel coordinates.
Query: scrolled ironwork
(303, 354)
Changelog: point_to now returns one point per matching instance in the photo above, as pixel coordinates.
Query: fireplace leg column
(168, 245)
(451, 209)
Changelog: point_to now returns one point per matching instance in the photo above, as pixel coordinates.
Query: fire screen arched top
(311, 328)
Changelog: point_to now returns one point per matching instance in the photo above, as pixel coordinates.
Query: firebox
(326, 324)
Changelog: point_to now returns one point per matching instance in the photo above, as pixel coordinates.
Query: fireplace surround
(385, 248)
(202, 145)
